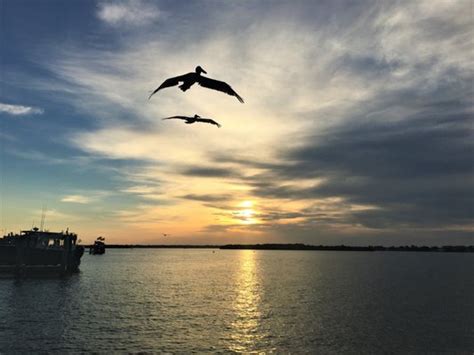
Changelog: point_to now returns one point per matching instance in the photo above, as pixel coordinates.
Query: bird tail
(239, 98)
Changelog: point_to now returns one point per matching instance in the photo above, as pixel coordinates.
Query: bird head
(200, 70)
(197, 116)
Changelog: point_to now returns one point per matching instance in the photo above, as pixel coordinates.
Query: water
(181, 300)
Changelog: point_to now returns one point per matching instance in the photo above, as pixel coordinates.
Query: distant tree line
(157, 246)
(300, 246)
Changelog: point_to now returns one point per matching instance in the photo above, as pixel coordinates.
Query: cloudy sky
(357, 126)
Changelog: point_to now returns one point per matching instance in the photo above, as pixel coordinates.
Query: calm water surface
(181, 300)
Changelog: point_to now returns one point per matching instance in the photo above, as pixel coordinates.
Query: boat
(38, 251)
(98, 247)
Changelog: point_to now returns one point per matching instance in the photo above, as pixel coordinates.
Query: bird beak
(205, 72)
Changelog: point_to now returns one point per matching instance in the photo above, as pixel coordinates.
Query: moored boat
(98, 247)
(37, 251)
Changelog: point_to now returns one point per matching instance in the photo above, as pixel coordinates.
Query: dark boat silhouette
(37, 251)
(98, 248)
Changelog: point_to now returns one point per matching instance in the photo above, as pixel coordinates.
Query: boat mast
(43, 216)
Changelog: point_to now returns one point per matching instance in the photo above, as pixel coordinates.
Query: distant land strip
(445, 248)
(298, 246)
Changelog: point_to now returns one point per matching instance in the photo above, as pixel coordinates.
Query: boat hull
(32, 258)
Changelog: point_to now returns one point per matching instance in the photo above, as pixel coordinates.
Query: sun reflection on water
(246, 333)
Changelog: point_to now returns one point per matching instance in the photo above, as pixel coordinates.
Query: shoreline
(297, 246)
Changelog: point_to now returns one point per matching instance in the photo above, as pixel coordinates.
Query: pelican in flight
(190, 79)
(195, 118)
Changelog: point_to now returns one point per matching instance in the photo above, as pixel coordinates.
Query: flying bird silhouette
(190, 79)
(195, 118)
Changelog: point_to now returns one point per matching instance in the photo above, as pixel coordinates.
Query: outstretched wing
(169, 82)
(208, 120)
(219, 86)
(176, 117)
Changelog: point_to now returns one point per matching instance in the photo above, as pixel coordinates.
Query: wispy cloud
(19, 110)
(128, 12)
(86, 197)
(76, 199)
(207, 197)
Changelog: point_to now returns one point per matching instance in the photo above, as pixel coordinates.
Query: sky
(357, 126)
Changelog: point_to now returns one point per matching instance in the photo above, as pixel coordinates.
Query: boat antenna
(43, 216)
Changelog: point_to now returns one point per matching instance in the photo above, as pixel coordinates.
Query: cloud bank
(358, 118)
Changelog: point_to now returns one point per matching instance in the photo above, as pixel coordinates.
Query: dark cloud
(272, 216)
(365, 65)
(211, 172)
(207, 197)
(408, 153)
(418, 173)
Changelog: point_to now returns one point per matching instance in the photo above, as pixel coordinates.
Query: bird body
(190, 79)
(193, 119)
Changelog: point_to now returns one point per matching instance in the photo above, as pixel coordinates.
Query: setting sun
(245, 214)
(246, 204)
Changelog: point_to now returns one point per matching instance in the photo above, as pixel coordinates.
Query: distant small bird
(196, 118)
(190, 79)
(165, 235)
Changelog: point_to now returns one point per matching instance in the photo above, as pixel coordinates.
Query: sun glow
(246, 214)
(246, 204)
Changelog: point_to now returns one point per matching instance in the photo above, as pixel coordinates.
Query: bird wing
(219, 86)
(169, 82)
(208, 120)
(176, 117)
